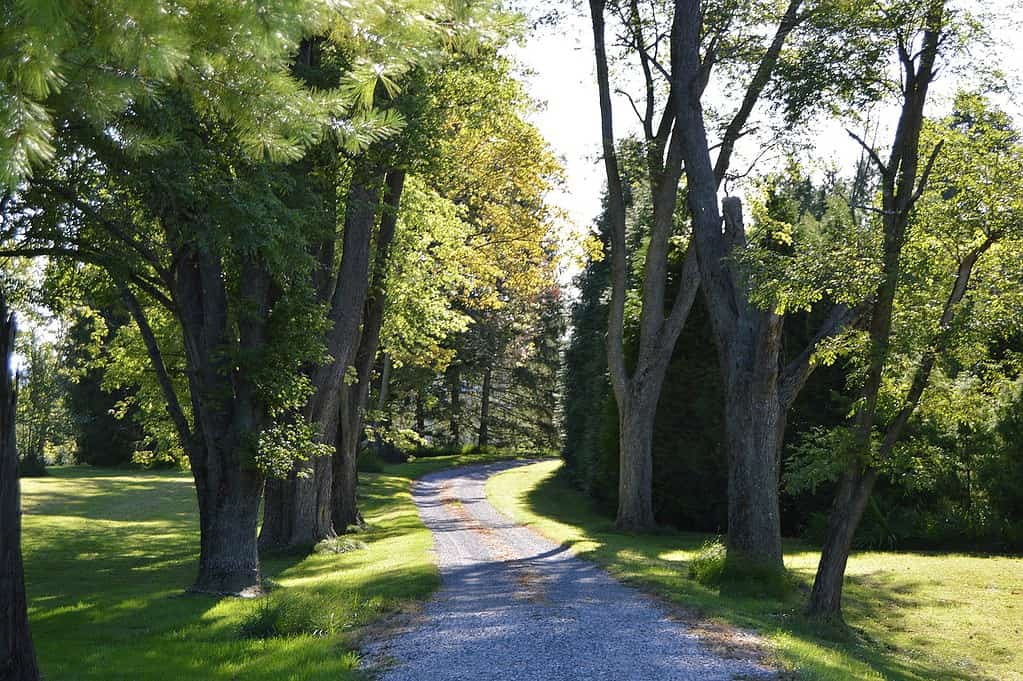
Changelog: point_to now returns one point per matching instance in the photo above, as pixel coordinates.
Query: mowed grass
(911, 616)
(109, 554)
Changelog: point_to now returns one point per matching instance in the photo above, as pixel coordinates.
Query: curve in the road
(516, 607)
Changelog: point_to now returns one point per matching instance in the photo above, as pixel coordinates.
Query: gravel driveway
(516, 607)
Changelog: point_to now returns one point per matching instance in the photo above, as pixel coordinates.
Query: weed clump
(339, 545)
(708, 567)
(281, 615)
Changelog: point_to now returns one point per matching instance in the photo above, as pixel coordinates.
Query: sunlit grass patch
(110, 553)
(911, 616)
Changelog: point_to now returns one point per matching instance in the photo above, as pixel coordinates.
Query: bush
(708, 567)
(711, 568)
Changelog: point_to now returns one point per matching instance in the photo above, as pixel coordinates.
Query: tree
(17, 653)
(44, 422)
(106, 418)
(972, 169)
(310, 505)
(757, 391)
(224, 274)
(187, 202)
(355, 393)
(637, 390)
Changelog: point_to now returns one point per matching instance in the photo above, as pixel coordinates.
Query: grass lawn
(913, 616)
(108, 554)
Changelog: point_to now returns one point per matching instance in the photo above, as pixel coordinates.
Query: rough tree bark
(354, 396)
(17, 653)
(226, 411)
(297, 511)
(901, 187)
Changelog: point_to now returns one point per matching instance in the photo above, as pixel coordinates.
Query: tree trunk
(297, 513)
(385, 383)
(455, 385)
(754, 430)
(226, 410)
(228, 515)
(17, 653)
(484, 431)
(354, 397)
(420, 413)
(345, 505)
(850, 502)
(635, 463)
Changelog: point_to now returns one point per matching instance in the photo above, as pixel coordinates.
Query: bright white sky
(560, 76)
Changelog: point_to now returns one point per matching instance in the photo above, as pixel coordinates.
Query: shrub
(711, 568)
(708, 567)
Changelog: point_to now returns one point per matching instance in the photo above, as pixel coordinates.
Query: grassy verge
(912, 616)
(108, 554)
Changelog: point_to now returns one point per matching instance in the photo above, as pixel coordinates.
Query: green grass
(109, 553)
(911, 616)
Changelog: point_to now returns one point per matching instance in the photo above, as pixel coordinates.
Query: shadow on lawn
(636, 559)
(110, 557)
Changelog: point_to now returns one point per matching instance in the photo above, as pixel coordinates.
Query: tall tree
(355, 393)
(638, 388)
(17, 653)
(759, 385)
(903, 177)
(304, 508)
(701, 39)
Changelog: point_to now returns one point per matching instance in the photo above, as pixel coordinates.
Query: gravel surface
(516, 607)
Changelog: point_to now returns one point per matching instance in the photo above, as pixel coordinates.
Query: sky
(558, 70)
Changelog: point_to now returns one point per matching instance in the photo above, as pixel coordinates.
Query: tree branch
(798, 371)
(174, 409)
(761, 78)
(926, 174)
(615, 212)
(937, 347)
(881, 166)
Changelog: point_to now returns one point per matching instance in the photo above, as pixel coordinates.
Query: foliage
(807, 246)
(44, 427)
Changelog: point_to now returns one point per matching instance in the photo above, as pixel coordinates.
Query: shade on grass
(913, 616)
(109, 554)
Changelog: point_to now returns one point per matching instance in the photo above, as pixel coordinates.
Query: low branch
(174, 409)
(798, 371)
(143, 282)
